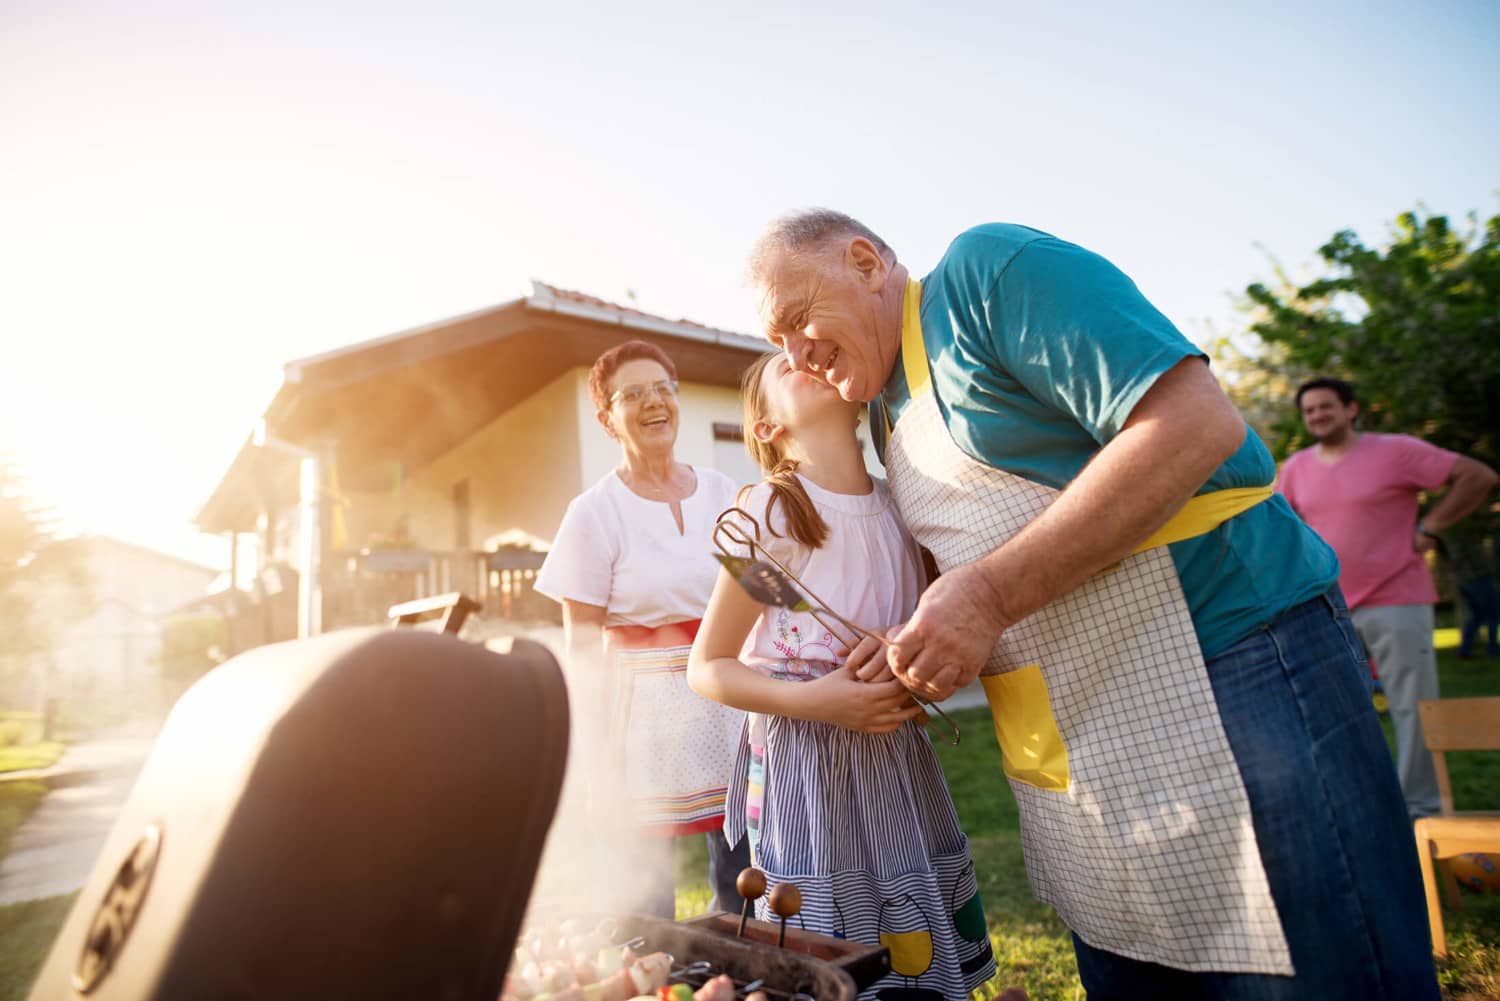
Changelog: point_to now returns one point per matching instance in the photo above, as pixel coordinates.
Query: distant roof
(408, 397)
(95, 542)
(546, 298)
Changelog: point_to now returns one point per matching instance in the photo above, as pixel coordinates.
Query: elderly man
(1205, 794)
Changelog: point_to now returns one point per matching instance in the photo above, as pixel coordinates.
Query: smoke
(595, 860)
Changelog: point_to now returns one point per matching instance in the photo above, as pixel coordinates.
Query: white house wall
(522, 470)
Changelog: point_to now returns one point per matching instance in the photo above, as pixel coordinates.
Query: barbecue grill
(361, 815)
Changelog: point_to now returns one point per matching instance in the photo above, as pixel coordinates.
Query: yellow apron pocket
(1024, 726)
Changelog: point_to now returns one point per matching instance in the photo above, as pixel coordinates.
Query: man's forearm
(1178, 435)
(1472, 483)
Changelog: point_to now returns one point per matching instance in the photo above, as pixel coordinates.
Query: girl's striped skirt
(864, 825)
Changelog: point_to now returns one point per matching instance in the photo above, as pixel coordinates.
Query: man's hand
(1422, 542)
(840, 698)
(950, 636)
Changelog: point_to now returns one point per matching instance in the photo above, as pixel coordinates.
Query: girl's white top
(865, 532)
(617, 549)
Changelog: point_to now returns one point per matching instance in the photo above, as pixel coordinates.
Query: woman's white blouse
(617, 549)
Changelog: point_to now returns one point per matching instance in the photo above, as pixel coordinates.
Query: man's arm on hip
(1469, 483)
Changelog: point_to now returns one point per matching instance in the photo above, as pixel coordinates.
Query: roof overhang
(403, 400)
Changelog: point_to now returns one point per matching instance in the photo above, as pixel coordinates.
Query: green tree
(24, 531)
(1415, 325)
(191, 645)
(34, 565)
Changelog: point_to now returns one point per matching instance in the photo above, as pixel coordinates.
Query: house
(105, 620)
(442, 458)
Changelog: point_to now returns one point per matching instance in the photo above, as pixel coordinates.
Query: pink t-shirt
(1365, 507)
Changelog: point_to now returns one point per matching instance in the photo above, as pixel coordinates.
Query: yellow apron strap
(1206, 512)
(1199, 516)
(913, 348)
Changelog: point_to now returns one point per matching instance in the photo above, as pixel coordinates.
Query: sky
(192, 195)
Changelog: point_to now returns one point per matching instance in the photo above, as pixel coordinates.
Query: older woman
(631, 567)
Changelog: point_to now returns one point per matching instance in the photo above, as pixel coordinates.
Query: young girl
(860, 820)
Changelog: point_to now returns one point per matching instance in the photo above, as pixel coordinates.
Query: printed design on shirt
(802, 647)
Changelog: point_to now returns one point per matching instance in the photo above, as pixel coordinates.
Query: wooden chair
(1454, 725)
(443, 613)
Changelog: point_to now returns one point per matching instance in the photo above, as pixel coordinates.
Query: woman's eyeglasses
(636, 392)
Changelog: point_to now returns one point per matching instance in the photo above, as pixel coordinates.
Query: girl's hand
(840, 698)
(868, 661)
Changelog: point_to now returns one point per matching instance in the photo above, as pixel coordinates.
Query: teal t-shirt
(1039, 350)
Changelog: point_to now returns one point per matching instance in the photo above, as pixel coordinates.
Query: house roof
(402, 400)
(98, 543)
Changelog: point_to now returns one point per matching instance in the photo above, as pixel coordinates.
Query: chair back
(1471, 724)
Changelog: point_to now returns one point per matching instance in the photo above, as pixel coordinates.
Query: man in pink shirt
(1359, 491)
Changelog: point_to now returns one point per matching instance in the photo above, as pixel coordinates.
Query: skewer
(786, 901)
(751, 883)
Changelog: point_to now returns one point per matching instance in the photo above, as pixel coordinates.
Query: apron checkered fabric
(1144, 844)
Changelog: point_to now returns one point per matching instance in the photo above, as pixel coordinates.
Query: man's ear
(766, 432)
(603, 417)
(865, 260)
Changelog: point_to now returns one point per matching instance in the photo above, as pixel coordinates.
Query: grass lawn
(17, 799)
(26, 934)
(27, 929)
(1033, 948)
(15, 758)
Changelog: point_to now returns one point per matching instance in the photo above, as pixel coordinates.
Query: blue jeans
(1330, 823)
(1481, 607)
(724, 866)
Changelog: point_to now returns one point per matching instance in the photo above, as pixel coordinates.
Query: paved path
(53, 852)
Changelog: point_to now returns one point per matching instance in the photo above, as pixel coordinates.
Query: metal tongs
(770, 583)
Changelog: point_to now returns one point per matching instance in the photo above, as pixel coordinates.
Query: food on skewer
(557, 976)
(571, 963)
(581, 968)
(650, 973)
(720, 988)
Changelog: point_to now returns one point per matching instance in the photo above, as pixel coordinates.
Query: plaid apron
(1134, 821)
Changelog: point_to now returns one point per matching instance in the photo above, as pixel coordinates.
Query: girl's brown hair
(803, 521)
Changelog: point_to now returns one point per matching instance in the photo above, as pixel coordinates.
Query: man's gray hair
(804, 231)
